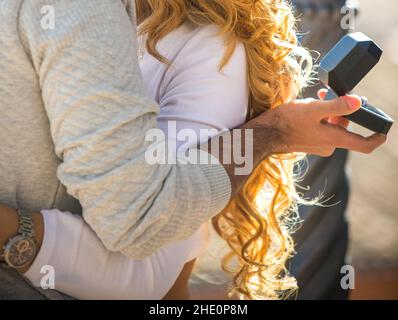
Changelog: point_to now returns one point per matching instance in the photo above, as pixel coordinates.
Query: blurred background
(373, 207)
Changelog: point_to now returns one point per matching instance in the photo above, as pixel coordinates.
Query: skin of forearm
(265, 140)
(9, 223)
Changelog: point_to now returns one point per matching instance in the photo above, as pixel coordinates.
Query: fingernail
(353, 101)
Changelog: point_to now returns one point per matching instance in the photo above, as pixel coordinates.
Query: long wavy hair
(258, 222)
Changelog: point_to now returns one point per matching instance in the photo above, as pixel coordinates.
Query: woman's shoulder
(195, 34)
(219, 96)
(192, 44)
(193, 82)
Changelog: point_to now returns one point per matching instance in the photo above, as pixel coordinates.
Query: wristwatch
(20, 250)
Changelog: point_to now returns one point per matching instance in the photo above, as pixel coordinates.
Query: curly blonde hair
(258, 222)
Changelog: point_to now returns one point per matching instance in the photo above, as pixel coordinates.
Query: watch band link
(26, 225)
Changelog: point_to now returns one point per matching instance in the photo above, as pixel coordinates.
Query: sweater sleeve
(99, 114)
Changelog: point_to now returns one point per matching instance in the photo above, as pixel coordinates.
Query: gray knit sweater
(73, 116)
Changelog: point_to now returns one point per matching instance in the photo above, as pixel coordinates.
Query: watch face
(19, 251)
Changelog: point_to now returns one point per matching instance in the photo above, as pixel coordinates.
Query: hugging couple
(76, 102)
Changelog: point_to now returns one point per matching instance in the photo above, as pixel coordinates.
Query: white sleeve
(196, 96)
(85, 269)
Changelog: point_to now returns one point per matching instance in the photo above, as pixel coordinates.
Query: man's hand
(308, 126)
(318, 127)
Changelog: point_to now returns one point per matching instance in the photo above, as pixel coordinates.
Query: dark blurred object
(322, 241)
(350, 60)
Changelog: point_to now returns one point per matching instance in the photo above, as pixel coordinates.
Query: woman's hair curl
(258, 222)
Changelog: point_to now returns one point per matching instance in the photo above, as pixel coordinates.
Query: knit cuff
(219, 183)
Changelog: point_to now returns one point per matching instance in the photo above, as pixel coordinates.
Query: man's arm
(307, 126)
(299, 129)
(99, 115)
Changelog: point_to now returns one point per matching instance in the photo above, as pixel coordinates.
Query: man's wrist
(9, 226)
(265, 139)
(38, 222)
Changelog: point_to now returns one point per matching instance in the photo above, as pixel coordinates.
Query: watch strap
(26, 224)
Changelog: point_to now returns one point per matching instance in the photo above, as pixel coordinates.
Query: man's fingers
(355, 142)
(339, 121)
(338, 107)
(322, 94)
